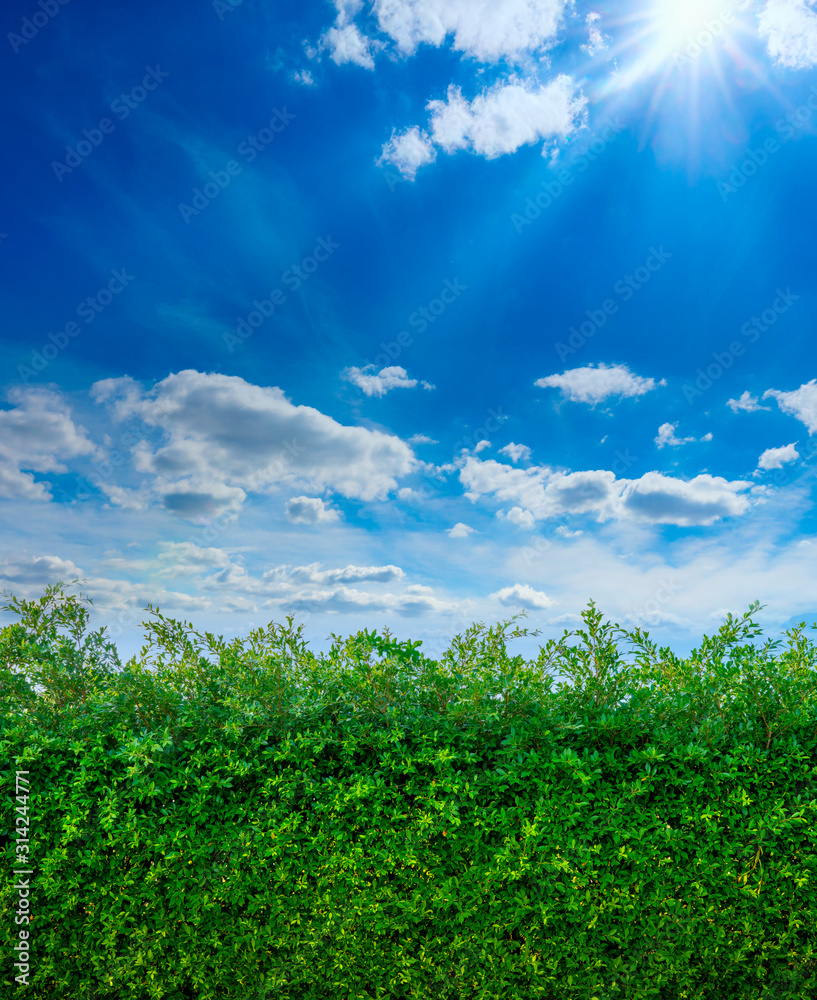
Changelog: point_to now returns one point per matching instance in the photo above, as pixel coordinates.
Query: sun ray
(682, 62)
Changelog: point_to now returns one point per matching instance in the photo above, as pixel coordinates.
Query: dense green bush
(248, 820)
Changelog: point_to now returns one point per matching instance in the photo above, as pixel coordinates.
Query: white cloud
(790, 30)
(460, 531)
(481, 446)
(522, 595)
(518, 516)
(666, 435)
(595, 40)
(516, 452)
(800, 403)
(349, 45)
(310, 510)
(421, 439)
(187, 558)
(498, 121)
(408, 151)
(592, 385)
(486, 30)
(35, 435)
(226, 437)
(351, 574)
(39, 570)
(746, 402)
(347, 599)
(776, 458)
(654, 498)
(506, 116)
(385, 380)
(378, 385)
(303, 77)
(109, 595)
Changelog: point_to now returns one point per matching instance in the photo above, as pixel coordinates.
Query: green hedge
(249, 820)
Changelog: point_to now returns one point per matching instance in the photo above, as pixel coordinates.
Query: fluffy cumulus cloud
(39, 571)
(37, 434)
(666, 436)
(516, 452)
(225, 437)
(500, 120)
(384, 381)
(747, 402)
(776, 458)
(524, 596)
(652, 499)
(349, 45)
(801, 403)
(485, 30)
(310, 510)
(460, 530)
(518, 516)
(345, 42)
(593, 385)
(408, 151)
(790, 30)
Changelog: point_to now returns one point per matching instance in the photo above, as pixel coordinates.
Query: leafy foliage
(248, 820)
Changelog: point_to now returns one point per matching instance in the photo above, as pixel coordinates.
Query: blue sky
(411, 314)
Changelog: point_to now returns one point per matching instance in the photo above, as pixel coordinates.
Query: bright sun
(677, 24)
(665, 37)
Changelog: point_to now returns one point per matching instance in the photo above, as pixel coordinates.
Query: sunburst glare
(679, 52)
